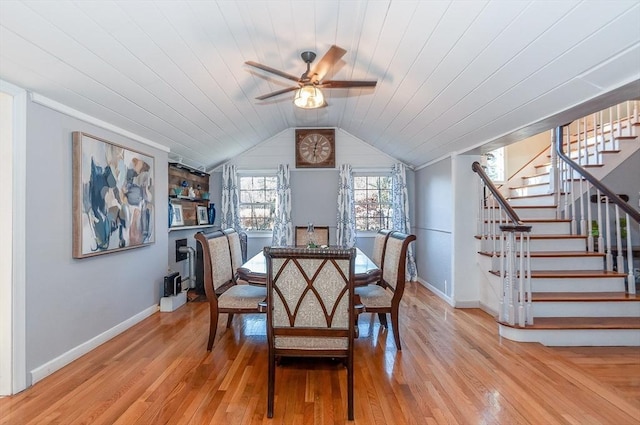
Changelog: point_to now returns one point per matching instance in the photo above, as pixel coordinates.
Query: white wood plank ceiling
(451, 74)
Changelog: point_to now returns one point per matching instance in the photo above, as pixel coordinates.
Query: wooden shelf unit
(179, 173)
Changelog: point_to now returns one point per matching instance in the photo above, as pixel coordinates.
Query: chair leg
(229, 319)
(350, 387)
(383, 319)
(271, 384)
(396, 328)
(213, 327)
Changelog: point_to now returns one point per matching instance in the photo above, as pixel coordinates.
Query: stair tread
(552, 254)
(534, 196)
(583, 296)
(582, 323)
(541, 220)
(569, 274)
(540, 236)
(575, 273)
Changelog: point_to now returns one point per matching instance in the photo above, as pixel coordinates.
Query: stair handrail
(591, 179)
(513, 216)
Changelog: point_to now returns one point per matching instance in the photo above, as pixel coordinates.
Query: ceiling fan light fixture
(309, 97)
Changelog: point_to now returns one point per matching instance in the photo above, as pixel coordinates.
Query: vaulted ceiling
(452, 75)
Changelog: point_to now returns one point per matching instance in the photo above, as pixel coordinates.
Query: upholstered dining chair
(320, 234)
(235, 249)
(384, 297)
(310, 308)
(379, 245)
(224, 294)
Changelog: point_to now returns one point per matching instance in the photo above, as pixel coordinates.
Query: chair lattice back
(310, 292)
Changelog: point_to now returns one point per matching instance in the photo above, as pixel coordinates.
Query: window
(495, 165)
(372, 197)
(257, 202)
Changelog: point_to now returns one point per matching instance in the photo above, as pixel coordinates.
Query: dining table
(254, 271)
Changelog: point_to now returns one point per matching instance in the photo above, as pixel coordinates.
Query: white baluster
(619, 126)
(528, 281)
(510, 277)
(619, 249)
(595, 139)
(590, 246)
(629, 116)
(631, 280)
(608, 255)
(611, 134)
(600, 227)
(521, 284)
(572, 205)
(503, 279)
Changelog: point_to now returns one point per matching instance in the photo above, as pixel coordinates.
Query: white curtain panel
(346, 228)
(230, 199)
(400, 214)
(282, 226)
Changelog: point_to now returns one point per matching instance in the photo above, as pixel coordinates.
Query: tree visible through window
(372, 197)
(257, 202)
(495, 165)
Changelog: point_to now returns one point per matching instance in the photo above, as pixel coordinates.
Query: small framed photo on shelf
(178, 216)
(203, 215)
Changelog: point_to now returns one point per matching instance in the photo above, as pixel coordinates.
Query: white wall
(73, 305)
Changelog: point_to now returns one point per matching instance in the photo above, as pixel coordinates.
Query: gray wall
(71, 301)
(314, 194)
(433, 224)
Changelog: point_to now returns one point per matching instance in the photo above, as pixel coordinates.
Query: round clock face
(315, 148)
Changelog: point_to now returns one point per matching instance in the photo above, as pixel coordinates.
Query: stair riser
(543, 178)
(592, 284)
(574, 337)
(530, 191)
(567, 263)
(586, 309)
(542, 245)
(533, 213)
(535, 201)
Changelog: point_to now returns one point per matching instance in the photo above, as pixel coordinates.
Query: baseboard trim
(64, 359)
(436, 291)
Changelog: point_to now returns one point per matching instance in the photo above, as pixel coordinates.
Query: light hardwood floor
(453, 369)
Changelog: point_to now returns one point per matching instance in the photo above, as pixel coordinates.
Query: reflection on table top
(255, 269)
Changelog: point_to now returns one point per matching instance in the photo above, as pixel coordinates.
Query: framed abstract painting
(113, 197)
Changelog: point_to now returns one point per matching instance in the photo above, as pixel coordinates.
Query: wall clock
(315, 148)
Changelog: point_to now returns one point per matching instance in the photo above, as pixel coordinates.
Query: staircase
(574, 299)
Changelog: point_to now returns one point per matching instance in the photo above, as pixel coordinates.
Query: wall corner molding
(64, 109)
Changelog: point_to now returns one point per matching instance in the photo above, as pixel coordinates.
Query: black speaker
(172, 284)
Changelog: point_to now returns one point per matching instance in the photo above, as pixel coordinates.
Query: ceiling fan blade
(273, 71)
(276, 93)
(333, 55)
(345, 84)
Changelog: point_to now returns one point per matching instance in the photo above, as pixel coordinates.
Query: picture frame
(113, 197)
(203, 215)
(178, 216)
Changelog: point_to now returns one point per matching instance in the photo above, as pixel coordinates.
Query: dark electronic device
(172, 284)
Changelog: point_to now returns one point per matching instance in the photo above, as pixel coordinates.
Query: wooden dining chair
(320, 234)
(224, 294)
(384, 297)
(310, 308)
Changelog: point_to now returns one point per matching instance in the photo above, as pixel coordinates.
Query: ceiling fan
(308, 94)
